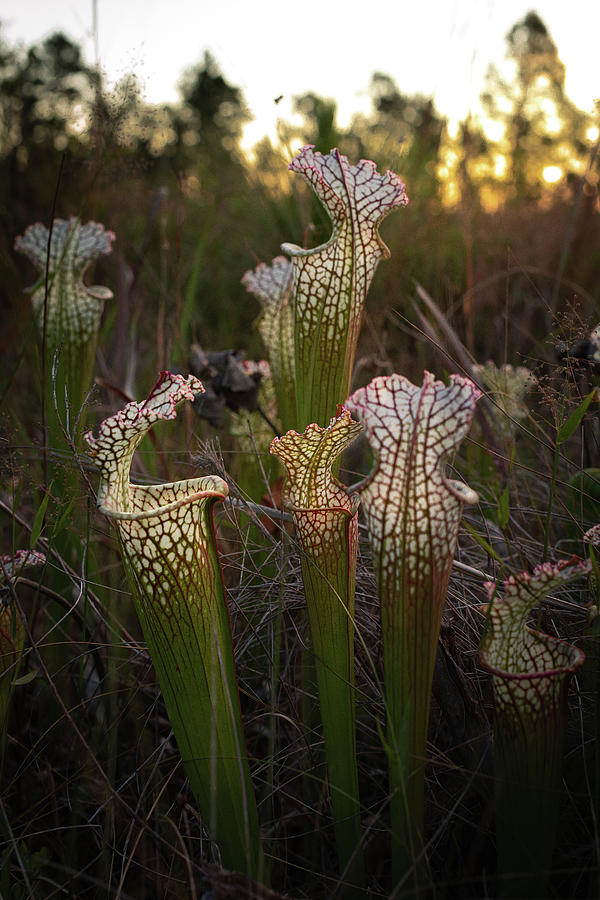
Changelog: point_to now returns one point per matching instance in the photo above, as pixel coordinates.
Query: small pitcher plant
(69, 313)
(531, 672)
(507, 387)
(326, 521)
(273, 285)
(168, 546)
(413, 513)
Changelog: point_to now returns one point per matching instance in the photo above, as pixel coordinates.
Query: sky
(270, 48)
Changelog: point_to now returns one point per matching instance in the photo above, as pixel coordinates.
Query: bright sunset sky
(276, 47)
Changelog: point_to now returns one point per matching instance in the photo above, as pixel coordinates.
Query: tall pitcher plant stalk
(168, 546)
(413, 512)
(326, 522)
(320, 310)
(67, 315)
(531, 672)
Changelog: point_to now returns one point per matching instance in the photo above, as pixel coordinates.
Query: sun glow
(552, 174)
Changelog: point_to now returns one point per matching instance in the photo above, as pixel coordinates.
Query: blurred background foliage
(509, 196)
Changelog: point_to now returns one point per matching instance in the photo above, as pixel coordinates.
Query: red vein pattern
(169, 550)
(515, 650)
(331, 281)
(326, 521)
(272, 285)
(413, 512)
(592, 536)
(530, 672)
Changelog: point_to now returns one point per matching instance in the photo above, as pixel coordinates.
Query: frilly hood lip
(513, 582)
(310, 162)
(359, 403)
(34, 240)
(183, 389)
(120, 434)
(505, 639)
(220, 491)
(538, 674)
(334, 493)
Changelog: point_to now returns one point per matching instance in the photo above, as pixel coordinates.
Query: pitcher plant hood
(330, 282)
(273, 285)
(74, 308)
(528, 666)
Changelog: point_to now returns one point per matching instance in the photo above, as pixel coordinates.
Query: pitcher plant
(168, 545)
(326, 523)
(413, 513)
(68, 313)
(530, 672)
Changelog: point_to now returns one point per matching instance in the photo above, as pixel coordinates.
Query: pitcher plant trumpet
(168, 546)
(413, 513)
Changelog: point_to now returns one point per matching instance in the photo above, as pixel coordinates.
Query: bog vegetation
(280, 646)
